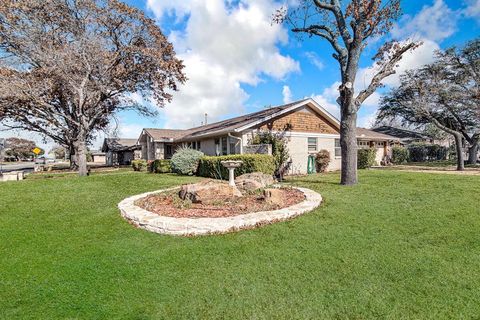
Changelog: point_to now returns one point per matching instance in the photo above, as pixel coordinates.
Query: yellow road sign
(37, 151)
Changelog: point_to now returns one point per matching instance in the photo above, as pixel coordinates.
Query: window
(198, 145)
(224, 146)
(338, 148)
(232, 148)
(168, 149)
(312, 144)
(363, 144)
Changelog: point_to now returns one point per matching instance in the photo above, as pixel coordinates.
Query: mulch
(170, 205)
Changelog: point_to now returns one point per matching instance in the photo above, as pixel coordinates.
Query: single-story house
(307, 125)
(404, 135)
(119, 151)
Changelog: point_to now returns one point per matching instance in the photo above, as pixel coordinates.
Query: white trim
(311, 134)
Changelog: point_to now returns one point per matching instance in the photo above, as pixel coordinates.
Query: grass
(398, 246)
(441, 164)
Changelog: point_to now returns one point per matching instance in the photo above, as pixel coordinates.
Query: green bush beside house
(211, 166)
(366, 158)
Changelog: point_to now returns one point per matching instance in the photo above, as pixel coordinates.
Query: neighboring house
(98, 156)
(308, 129)
(405, 136)
(120, 151)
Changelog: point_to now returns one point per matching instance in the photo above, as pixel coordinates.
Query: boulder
(208, 190)
(273, 196)
(253, 181)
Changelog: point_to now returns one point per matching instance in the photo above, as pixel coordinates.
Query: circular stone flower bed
(170, 205)
(163, 212)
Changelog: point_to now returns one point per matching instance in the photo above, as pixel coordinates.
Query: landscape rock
(208, 190)
(253, 181)
(273, 196)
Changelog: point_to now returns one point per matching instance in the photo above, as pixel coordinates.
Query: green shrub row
(366, 158)
(161, 166)
(139, 165)
(211, 167)
(422, 152)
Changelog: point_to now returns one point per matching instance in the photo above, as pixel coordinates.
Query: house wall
(303, 120)
(99, 159)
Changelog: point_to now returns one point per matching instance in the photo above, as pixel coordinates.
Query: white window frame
(337, 148)
(311, 144)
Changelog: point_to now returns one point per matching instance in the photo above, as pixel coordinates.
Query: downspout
(238, 139)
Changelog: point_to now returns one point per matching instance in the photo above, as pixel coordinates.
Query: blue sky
(237, 62)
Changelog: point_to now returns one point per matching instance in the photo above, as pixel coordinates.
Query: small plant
(185, 161)
(322, 160)
(161, 166)
(139, 165)
(366, 158)
(279, 147)
(399, 155)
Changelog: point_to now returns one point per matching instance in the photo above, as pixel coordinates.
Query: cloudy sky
(238, 62)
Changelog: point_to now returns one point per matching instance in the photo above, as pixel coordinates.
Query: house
(405, 136)
(308, 128)
(119, 151)
(98, 157)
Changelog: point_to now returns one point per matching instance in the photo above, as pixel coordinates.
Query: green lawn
(398, 246)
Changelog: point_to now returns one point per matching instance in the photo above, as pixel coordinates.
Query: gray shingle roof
(119, 144)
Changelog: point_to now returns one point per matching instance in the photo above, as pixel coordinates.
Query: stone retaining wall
(204, 226)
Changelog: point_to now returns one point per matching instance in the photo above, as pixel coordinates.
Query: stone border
(204, 226)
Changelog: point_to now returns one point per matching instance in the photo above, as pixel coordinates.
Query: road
(26, 166)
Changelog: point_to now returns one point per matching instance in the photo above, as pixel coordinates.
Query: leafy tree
(21, 148)
(279, 147)
(445, 94)
(348, 28)
(68, 66)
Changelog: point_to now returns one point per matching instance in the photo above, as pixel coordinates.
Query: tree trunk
(458, 146)
(81, 156)
(348, 142)
(72, 157)
(473, 153)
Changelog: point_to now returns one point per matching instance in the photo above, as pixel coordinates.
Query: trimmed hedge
(422, 152)
(139, 165)
(366, 158)
(212, 168)
(161, 166)
(399, 155)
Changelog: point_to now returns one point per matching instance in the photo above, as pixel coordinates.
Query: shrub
(161, 166)
(422, 152)
(212, 168)
(279, 147)
(399, 155)
(322, 160)
(139, 165)
(366, 158)
(185, 161)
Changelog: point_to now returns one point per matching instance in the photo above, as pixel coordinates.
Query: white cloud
(223, 46)
(315, 59)
(327, 99)
(436, 22)
(287, 94)
(473, 9)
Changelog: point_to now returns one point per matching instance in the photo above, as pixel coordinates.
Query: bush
(422, 152)
(322, 160)
(185, 161)
(279, 147)
(212, 168)
(139, 165)
(161, 166)
(366, 158)
(399, 155)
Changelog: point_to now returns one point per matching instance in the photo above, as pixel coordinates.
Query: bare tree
(348, 28)
(68, 66)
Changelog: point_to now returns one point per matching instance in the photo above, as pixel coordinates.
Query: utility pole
(2, 153)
